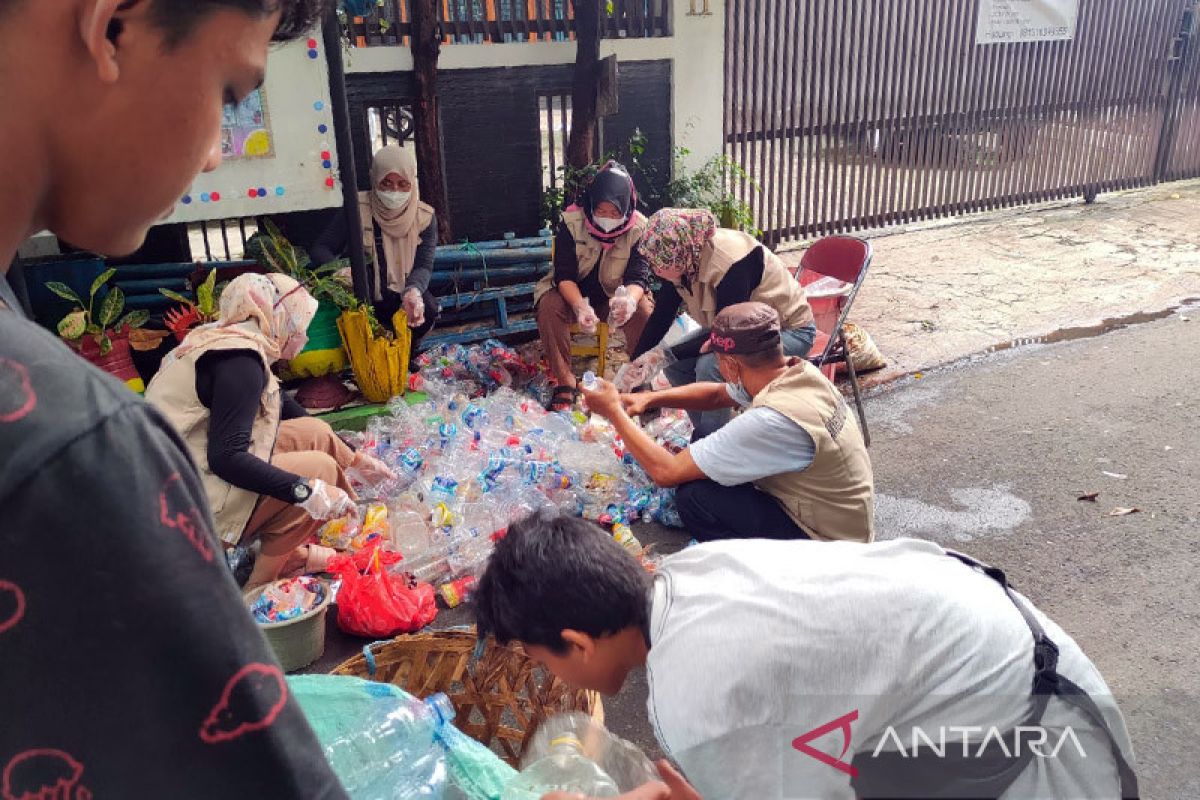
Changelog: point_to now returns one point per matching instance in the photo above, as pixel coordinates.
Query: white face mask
(608, 225)
(393, 200)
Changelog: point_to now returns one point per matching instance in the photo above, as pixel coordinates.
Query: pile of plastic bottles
(482, 368)
(468, 465)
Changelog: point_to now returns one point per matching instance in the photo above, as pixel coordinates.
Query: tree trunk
(581, 147)
(426, 46)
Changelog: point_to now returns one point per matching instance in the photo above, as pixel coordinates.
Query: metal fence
(854, 114)
(497, 21)
(221, 239)
(554, 129)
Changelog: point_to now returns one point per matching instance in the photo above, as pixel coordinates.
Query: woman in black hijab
(597, 274)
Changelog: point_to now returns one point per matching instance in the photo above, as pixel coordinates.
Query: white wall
(697, 50)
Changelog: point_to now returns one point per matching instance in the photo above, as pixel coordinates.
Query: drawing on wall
(246, 129)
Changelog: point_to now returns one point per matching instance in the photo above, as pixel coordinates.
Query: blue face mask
(739, 394)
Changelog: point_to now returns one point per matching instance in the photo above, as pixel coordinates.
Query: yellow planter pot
(380, 365)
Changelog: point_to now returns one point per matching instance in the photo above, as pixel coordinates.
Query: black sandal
(562, 398)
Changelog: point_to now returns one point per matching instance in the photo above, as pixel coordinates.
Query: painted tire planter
(118, 362)
(323, 355)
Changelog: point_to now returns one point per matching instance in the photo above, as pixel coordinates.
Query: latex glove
(586, 317)
(371, 469)
(327, 502)
(621, 307)
(602, 399)
(643, 368)
(414, 307)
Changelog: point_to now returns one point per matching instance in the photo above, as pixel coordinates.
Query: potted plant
(323, 354)
(102, 336)
(204, 310)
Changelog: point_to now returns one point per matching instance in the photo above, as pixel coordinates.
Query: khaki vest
(835, 497)
(173, 392)
(778, 288)
(382, 277)
(588, 253)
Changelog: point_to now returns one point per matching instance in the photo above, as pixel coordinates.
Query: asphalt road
(990, 456)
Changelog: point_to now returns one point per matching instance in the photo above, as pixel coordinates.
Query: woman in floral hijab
(271, 471)
(705, 268)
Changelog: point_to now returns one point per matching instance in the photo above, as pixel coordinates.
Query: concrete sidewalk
(942, 291)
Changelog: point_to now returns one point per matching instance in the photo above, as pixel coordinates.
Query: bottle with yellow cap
(564, 769)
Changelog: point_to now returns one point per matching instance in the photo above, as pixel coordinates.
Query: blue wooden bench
(485, 289)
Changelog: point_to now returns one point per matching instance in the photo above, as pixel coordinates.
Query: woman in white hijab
(400, 237)
(270, 470)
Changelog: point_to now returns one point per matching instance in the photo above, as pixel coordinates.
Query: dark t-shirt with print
(128, 664)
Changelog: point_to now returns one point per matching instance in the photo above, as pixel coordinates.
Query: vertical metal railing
(853, 114)
(497, 21)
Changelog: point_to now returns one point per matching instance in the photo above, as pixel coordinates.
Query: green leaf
(65, 292)
(111, 308)
(95, 330)
(204, 293)
(176, 296)
(73, 325)
(105, 346)
(134, 319)
(102, 279)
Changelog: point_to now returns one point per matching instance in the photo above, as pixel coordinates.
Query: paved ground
(989, 457)
(958, 287)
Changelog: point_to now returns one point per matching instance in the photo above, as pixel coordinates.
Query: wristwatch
(301, 491)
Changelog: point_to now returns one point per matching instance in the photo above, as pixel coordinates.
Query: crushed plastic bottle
(572, 752)
(563, 769)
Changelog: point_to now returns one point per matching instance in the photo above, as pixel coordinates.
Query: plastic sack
(380, 365)
(376, 603)
(863, 352)
(342, 709)
(379, 741)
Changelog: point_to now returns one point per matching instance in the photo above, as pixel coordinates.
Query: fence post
(581, 147)
(331, 32)
(1176, 59)
(426, 45)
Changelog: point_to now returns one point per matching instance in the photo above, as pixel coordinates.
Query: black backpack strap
(1047, 681)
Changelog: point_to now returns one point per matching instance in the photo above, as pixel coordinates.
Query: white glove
(414, 307)
(642, 369)
(372, 470)
(621, 307)
(586, 317)
(327, 502)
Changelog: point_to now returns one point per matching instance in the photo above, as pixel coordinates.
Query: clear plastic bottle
(394, 755)
(564, 769)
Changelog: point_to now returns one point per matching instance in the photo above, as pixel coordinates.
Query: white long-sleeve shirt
(755, 643)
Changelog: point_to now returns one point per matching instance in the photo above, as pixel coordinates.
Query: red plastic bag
(376, 603)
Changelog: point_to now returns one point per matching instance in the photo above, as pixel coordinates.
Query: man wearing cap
(792, 465)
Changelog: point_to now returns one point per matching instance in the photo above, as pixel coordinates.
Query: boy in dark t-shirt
(128, 664)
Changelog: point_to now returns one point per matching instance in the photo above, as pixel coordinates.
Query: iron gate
(854, 114)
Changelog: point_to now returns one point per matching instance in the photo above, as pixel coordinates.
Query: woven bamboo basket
(500, 700)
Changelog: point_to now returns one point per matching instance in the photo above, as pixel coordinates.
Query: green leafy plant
(102, 324)
(205, 306)
(709, 187)
(273, 251)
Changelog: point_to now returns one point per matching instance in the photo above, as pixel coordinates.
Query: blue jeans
(796, 342)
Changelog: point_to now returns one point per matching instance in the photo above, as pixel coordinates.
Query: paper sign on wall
(278, 146)
(1002, 21)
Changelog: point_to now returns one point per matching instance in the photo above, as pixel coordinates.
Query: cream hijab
(273, 311)
(401, 229)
